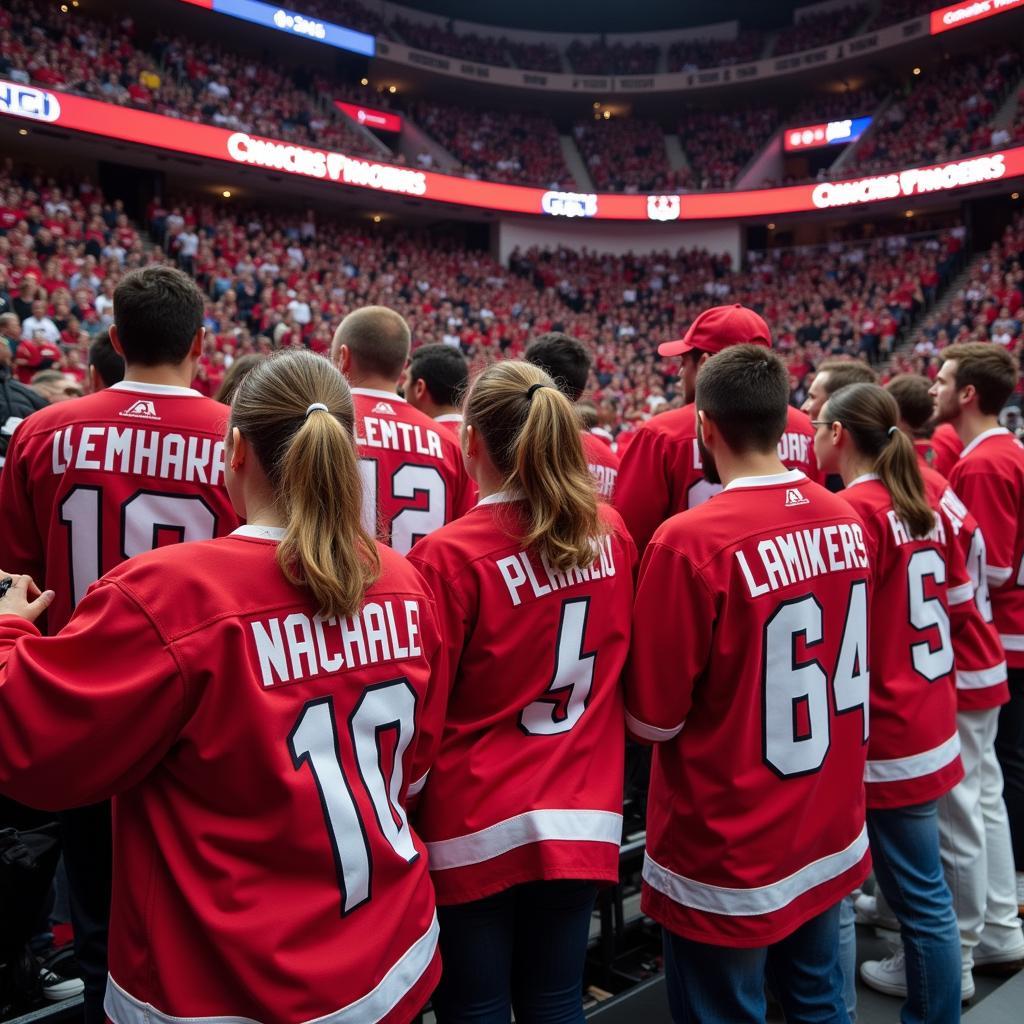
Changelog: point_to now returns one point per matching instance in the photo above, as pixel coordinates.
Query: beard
(707, 460)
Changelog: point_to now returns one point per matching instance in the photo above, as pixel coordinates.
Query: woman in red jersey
(922, 596)
(254, 704)
(522, 811)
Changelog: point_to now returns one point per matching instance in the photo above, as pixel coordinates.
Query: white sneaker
(57, 988)
(999, 962)
(890, 976)
(865, 911)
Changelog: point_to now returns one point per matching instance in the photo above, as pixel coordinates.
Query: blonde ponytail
(870, 415)
(532, 434)
(296, 411)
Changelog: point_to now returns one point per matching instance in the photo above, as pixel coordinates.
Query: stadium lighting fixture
(771, 227)
(917, 71)
(376, 218)
(63, 8)
(607, 114)
(364, 81)
(597, 106)
(908, 214)
(226, 193)
(1015, 195)
(392, 88)
(23, 131)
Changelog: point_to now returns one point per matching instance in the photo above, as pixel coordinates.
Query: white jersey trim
(998, 574)
(522, 830)
(862, 479)
(981, 678)
(259, 532)
(764, 899)
(449, 417)
(1012, 641)
(791, 476)
(960, 595)
(391, 396)
(123, 1008)
(417, 786)
(170, 390)
(651, 732)
(915, 766)
(983, 436)
(500, 497)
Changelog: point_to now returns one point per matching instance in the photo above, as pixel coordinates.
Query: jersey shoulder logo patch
(142, 409)
(794, 497)
(384, 407)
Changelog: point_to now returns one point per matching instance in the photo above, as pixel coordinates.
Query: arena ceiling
(611, 15)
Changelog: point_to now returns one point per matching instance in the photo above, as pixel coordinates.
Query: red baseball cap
(718, 328)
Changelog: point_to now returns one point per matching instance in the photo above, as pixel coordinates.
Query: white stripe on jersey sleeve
(651, 732)
(415, 787)
(998, 574)
(981, 678)
(1012, 641)
(915, 766)
(960, 595)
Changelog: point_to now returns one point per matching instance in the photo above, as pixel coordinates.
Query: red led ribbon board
(958, 15)
(76, 113)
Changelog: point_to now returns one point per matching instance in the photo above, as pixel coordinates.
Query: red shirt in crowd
(528, 781)
(414, 480)
(759, 601)
(602, 462)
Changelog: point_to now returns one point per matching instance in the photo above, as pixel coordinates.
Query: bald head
(371, 342)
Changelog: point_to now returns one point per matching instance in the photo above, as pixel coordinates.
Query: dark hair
(845, 371)
(444, 371)
(108, 362)
(565, 360)
(989, 367)
(587, 413)
(239, 367)
(311, 462)
(378, 339)
(870, 415)
(157, 313)
(745, 391)
(912, 394)
(532, 434)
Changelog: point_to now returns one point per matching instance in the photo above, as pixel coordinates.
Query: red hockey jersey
(452, 420)
(528, 782)
(603, 464)
(946, 447)
(413, 477)
(749, 671)
(661, 472)
(92, 482)
(922, 598)
(981, 677)
(989, 479)
(260, 759)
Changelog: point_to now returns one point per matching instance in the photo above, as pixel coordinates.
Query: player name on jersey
(789, 558)
(793, 447)
(394, 435)
(518, 571)
(901, 532)
(140, 452)
(604, 478)
(302, 646)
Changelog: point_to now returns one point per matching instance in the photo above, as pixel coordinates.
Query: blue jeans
(521, 949)
(716, 983)
(848, 955)
(905, 849)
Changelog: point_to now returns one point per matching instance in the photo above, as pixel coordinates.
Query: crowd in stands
(626, 155)
(600, 57)
(276, 280)
(691, 54)
(893, 12)
(820, 29)
(944, 114)
(719, 143)
(499, 145)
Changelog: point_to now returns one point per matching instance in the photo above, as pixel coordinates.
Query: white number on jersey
(142, 518)
(314, 741)
(410, 524)
(565, 699)
(797, 717)
(927, 613)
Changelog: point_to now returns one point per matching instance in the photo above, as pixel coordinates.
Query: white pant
(974, 837)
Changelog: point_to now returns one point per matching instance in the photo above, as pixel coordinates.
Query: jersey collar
(259, 532)
(983, 436)
(791, 476)
(136, 387)
(391, 396)
(862, 479)
(449, 417)
(501, 497)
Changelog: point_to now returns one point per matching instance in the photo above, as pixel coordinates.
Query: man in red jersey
(413, 477)
(758, 600)
(832, 375)
(947, 446)
(92, 482)
(973, 384)
(434, 383)
(567, 362)
(661, 470)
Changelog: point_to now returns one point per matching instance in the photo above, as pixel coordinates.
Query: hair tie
(892, 430)
(531, 389)
(317, 406)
